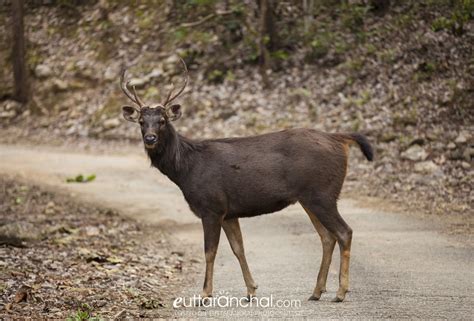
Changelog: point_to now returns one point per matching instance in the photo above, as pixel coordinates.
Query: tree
(266, 37)
(308, 7)
(380, 6)
(18, 53)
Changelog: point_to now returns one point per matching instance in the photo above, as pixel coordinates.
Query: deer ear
(174, 112)
(130, 113)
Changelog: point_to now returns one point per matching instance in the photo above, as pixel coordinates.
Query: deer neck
(172, 154)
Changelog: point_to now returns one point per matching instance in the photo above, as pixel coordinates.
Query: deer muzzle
(150, 140)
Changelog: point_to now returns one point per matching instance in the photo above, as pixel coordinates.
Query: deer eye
(161, 121)
(140, 121)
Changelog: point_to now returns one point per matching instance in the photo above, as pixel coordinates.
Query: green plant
(462, 12)
(425, 71)
(81, 179)
(216, 76)
(230, 76)
(363, 99)
(370, 49)
(353, 16)
(319, 47)
(441, 23)
(252, 50)
(180, 34)
(280, 55)
(341, 47)
(388, 55)
(355, 64)
(83, 313)
(151, 304)
(406, 19)
(409, 118)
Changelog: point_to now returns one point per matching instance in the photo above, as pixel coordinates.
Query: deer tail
(363, 143)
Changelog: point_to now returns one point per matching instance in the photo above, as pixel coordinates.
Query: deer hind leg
(328, 242)
(212, 230)
(330, 218)
(232, 230)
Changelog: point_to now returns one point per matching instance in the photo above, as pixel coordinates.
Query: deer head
(152, 119)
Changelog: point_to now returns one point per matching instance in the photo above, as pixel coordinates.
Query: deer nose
(150, 138)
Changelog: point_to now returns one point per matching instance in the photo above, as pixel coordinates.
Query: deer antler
(172, 97)
(169, 98)
(124, 85)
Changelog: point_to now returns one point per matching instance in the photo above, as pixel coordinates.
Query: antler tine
(168, 99)
(169, 94)
(139, 101)
(124, 85)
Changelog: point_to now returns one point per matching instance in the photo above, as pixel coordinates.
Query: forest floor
(87, 259)
(63, 258)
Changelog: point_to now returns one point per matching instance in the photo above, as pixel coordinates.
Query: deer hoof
(203, 299)
(338, 299)
(314, 298)
(251, 297)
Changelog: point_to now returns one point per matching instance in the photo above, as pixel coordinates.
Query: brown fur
(226, 179)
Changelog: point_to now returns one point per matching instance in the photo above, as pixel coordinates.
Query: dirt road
(401, 267)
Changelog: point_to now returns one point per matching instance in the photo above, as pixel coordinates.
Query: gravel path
(401, 266)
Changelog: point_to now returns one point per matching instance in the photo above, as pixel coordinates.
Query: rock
(138, 82)
(91, 231)
(111, 123)
(20, 230)
(388, 137)
(418, 179)
(81, 64)
(43, 71)
(142, 81)
(87, 73)
(451, 145)
(172, 60)
(417, 141)
(415, 153)
(155, 73)
(432, 136)
(465, 165)
(11, 105)
(125, 39)
(461, 139)
(456, 155)
(50, 208)
(111, 73)
(426, 167)
(59, 85)
(468, 153)
(7, 114)
(178, 253)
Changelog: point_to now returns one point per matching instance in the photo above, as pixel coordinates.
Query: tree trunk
(380, 6)
(264, 25)
(308, 6)
(18, 53)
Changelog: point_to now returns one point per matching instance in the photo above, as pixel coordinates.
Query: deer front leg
(234, 235)
(212, 229)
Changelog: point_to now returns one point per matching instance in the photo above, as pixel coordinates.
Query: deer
(226, 179)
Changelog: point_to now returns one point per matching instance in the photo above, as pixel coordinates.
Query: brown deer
(226, 179)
